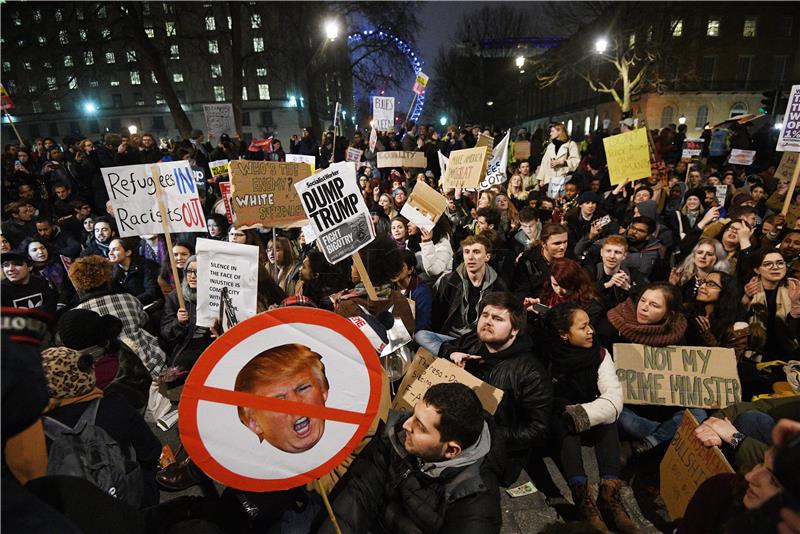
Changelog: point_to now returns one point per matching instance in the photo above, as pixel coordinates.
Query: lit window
(105, 33)
(56, 105)
(211, 24)
(26, 65)
(42, 40)
(146, 8)
(216, 71)
(258, 44)
(47, 65)
(68, 61)
(702, 117)
(244, 93)
(32, 88)
(230, 23)
(135, 79)
(712, 28)
(82, 34)
(131, 56)
(139, 99)
(168, 8)
(94, 83)
(58, 15)
(174, 52)
(6, 66)
(263, 91)
(219, 93)
(213, 47)
(177, 77)
(37, 106)
(160, 99)
(17, 20)
(101, 12)
(151, 33)
(677, 27)
(749, 28)
(73, 83)
(79, 13)
(114, 83)
(110, 57)
(255, 21)
(153, 77)
(63, 38)
(170, 28)
(51, 83)
(88, 57)
(666, 116)
(261, 71)
(37, 16)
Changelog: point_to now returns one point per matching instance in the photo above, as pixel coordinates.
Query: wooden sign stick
(362, 272)
(154, 170)
(792, 185)
(328, 506)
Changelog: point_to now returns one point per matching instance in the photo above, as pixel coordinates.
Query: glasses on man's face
(710, 283)
(780, 264)
(191, 272)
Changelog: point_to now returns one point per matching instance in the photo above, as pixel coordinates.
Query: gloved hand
(576, 419)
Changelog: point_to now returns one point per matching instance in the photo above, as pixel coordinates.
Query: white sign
(383, 113)
(443, 161)
(741, 157)
(132, 192)
(221, 264)
(219, 120)
(496, 172)
(722, 194)
(300, 158)
(336, 211)
(789, 140)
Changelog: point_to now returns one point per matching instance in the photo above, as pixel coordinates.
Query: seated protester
(181, 250)
(414, 237)
(734, 235)
(415, 288)
(580, 220)
(488, 218)
(744, 430)
(498, 352)
(105, 230)
(57, 239)
(532, 271)
(62, 198)
(399, 231)
(707, 256)
(20, 223)
(616, 283)
(503, 259)
(714, 315)
(588, 400)
(685, 220)
(656, 320)
(319, 280)
(92, 279)
(49, 266)
(649, 209)
(21, 288)
(86, 231)
(773, 308)
(645, 251)
(530, 229)
(569, 283)
(117, 368)
(509, 216)
(790, 246)
(185, 340)
(430, 471)
(435, 256)
(154, 247)
(72, 385)
(457, 295)
(133, 274)
(283, 263)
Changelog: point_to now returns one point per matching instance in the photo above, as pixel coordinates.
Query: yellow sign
(264, 193)
(466, 168)
(628, 156)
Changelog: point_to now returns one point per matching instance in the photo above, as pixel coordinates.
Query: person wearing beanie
(691, 212)
(583, 224)
(72, 387)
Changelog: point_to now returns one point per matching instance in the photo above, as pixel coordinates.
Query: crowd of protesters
(527, 292)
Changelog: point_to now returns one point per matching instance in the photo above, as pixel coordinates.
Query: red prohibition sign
(196, 390)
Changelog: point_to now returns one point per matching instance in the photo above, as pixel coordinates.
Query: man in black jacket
(532, 271)
(432, 471)
(500, 354)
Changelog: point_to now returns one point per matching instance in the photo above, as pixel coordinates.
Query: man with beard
(533, 267)
(644, 251)
(56, 238)
(499, 353)
(104, 232)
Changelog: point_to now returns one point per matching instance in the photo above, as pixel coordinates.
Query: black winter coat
(531, 273)
(140, 280)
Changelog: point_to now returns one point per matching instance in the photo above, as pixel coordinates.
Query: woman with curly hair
(706, 256)
(570, 283)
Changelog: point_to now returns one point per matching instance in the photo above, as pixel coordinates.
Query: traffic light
(767, 102)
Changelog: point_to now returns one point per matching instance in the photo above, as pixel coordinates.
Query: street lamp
(90, 108)
(443, 120)
(682, 119)
(601, 45)
(331, 29)
(133, 129)
(520, 61)
(490, 103)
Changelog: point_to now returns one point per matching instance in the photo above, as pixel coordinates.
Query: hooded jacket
(531, 273)
(450, 299)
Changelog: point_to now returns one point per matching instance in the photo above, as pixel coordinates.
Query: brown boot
(610, 504)
(584, 501)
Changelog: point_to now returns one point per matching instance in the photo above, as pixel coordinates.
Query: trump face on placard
(290, 372)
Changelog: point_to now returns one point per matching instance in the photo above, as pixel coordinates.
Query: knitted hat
(695, 192)
(68, 372)
(79, 329)
(588, 196)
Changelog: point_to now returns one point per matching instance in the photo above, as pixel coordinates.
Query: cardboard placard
(383, 113)
(522, 150)
(401, 158)
(427, 370)
(496, 170)
(132, 191)
(741, 157)
(465, 168)
(223, 264)
(628, 156)
(264, 194)
(722, 194)
(353, 154)
(219, 120)
(693, 377)
(336, 211)
(687, 464)
(786, 166)
(311, 161)
(219, 169)
(420, 82)
(691, 148)
(789, 139)
(424, 206)
(225, 191)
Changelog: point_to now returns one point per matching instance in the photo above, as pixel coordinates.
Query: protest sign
(789, 139)
(219, 169)
(786, 166)
(496, 171)
(5, 99)
(311, 161)
(687, 464)
(722, 194)
(427, 370)
(692, 148)
(240, 429)
(465, 168)
(697, 377)
(741, 157)
(443, 161)
(424, 206)
(219, 120)
(263, 192)
(132, 191)
(628, 156)
(383, 113)
(353, 154)
(222, 264)
(420, 82)
(398, 158)
(225, 191)
(336, 211)
(522, 150)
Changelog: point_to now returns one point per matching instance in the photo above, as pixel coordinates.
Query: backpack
(89, 452)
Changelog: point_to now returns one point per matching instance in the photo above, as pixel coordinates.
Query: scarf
(574, 371)
(759, 314)
(96, 393)
(623, 318)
